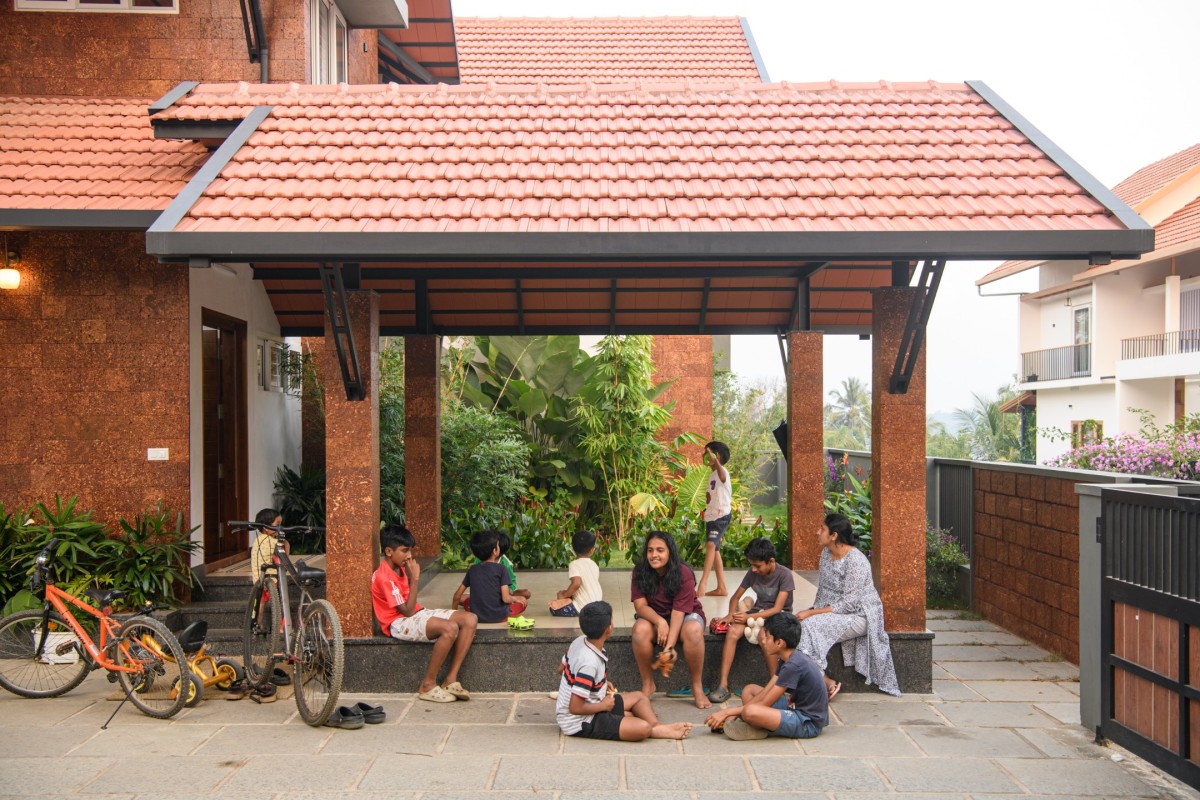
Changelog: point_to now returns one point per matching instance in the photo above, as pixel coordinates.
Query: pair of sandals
(353, 717)
(240, 690)
(521, 623)
(449, 693)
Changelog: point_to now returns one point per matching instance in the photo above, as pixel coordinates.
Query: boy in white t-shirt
(718, 513)
(584, 576)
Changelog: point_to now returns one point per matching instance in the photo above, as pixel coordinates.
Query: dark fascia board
(74, 219)
(664, 330)
(1086, 245)
(172, 97)
(194, 129)
(1118, 207)
(758, 61)
(199, 183)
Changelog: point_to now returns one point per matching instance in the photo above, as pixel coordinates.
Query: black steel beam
(410, 64)
(195, 130)
(338, 317)
(73, 219)
(914, 329)
(520, 313)
(704, 302)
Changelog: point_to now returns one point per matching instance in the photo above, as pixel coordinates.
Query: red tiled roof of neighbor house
(637, 158)
(613, 50)
(1149, 179)
(88, 154)
(1135, 189)
(1181, 227)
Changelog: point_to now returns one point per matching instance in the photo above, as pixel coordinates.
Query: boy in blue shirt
(795, 704)
(491, 600)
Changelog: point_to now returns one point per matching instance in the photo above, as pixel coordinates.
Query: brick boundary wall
(1026, 570)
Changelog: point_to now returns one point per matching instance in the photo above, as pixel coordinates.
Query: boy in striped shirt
(588, 706)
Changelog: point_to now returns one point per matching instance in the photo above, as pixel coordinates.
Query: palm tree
(992, 434)
(848, 415)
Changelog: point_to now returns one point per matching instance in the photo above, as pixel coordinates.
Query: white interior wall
(1058, 408)
(273, 417)
(1122, 311)
(1156, 396)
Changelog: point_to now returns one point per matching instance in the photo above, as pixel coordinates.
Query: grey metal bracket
(339, 326)
(914, 329)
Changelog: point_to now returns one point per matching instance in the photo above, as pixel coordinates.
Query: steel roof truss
(339, 325)
(914, 329)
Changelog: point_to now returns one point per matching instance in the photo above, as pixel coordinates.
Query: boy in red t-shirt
(394, 589)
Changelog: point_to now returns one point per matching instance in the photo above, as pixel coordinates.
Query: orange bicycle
(47, 652)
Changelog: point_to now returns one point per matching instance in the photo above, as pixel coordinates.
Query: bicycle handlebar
(264, 526)
(39, 565)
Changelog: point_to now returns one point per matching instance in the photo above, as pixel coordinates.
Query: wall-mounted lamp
(10, 278)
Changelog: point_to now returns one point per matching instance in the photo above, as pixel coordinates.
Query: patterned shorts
(412, 629)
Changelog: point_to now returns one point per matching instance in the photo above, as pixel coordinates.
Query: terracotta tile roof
(88, 154)
(649, 158)
(612, 50)
(1181, 226)
(1149, 179)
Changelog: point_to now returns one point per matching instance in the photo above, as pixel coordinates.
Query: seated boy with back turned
(794, 705)
(773, 587)
(584, 578)
(491, 600)
(394, 596)
(588, 706)
(505, 546)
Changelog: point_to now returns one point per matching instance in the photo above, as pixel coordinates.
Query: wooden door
(225, 450)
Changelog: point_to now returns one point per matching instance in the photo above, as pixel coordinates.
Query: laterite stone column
(897, 468)
(352, 470)
(806, 453)
(423, 442)
(688, 361)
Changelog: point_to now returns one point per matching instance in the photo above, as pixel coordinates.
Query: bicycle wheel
(61, 665)
(151, 687)
(320, 662)
(261, 631)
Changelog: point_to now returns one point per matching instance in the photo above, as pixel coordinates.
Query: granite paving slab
(1067, 713)
(1022, 691)
(565, 772)
(888, 711)
(391, 772)
(947, 742)
(146, 739)
(954, 690)
(988, 670)
(24, 777)
(966, 652)
(1055, 670)
(502, 739)
(486, 710)
(391, 739)
(1086, 777)
(936, 625)
(691, 773)
(332, 772)
(945, 775)
(844, 740)
(151, 774)
(1023, 652)
(995, 715)
(241, 740)
(816, 774)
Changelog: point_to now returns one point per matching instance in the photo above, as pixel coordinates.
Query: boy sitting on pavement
(794, 705)
(394, 589)
(588, 706)
(490, 599)
(773, 586)
(718, 513)
(505, 545)
(584, 576)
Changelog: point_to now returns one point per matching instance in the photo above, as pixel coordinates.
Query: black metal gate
(1150, 628)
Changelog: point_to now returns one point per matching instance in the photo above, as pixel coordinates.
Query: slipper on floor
(240, 690)
(685, 691)
(350, 719)
(521, 623)
(280, 678)
(436, 695)
(719, 695)
(837, 687)
(372, 715)
(264, 694)
(739, 730)
(456, 689)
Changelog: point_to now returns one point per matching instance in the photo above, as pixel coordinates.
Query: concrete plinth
(352, 470)
(806, 454)
(898, 473)
(423, 442)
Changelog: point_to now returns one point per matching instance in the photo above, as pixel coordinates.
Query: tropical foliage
(848, 416)
(943, 557)
(743, 418)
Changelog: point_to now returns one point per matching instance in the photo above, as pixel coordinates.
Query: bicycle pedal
(112, 677)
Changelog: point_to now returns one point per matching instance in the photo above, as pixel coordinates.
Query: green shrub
(689, 536)
(853, 502)
(301, 497)
(943, 557)
(150, 559)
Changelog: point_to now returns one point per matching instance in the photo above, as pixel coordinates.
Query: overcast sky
(1114, 84)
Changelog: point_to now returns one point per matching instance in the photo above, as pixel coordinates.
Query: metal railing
(1161, 344)
(1057, 363)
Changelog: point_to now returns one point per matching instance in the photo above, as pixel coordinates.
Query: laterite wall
(93, 371)
(1026, 571)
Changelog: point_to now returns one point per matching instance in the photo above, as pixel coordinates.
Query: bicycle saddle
(104, 597)
(308, 574)
(191, 638)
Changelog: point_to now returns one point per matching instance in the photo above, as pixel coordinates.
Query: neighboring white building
(1099, 341)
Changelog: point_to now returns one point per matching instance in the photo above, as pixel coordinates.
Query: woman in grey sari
(847, 610)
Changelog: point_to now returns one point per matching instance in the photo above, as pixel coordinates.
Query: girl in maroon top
(663, 591)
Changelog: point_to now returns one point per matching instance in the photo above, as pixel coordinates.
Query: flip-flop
(719, 695)
(436, 695)
(740, 731)
(457, 690)
(521, 623)
(240, 690)
(685, 691)
(280, 678)
(350, 719)
(837, 687)
(372, 715)
(264, 694)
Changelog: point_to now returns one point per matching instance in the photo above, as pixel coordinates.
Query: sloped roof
(557, 52)
(87, 155)
(1149, 179)
(1135, 189)
(640, 159)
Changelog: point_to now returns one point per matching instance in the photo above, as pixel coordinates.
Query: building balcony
(1057, 363)
(1161, 344)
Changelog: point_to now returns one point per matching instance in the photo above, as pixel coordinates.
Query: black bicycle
(270, 634)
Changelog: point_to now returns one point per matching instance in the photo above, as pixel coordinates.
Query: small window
(1086, 431)
(276, 366)
(329, 37)
(109, 6)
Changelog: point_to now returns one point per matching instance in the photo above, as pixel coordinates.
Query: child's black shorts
(606, 725)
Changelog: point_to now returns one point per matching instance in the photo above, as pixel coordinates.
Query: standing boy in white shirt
(718, 512)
